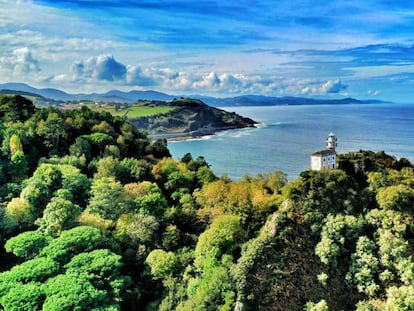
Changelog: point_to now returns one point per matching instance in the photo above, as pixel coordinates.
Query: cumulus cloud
(136, 75)
(223, 83)
(106, 71)
(21, 61)
(333, 86)
(103, 67)
(210, 81)
(152, 76)
(106, 68)
(329, 87)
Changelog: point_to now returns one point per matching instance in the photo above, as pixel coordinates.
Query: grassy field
(130, 112)
(137, 112)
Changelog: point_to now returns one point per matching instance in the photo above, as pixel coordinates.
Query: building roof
(324, 153)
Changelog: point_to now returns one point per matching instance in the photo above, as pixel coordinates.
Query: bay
(287, 135)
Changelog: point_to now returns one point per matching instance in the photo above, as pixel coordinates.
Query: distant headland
(167, 116)
(54, 96)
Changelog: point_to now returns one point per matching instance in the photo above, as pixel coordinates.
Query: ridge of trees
(96, 216)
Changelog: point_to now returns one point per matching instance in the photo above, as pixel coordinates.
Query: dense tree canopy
(94, 215)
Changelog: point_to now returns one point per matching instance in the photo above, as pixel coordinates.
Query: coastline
(204, 133)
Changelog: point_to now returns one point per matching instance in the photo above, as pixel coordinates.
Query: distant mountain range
(133, 96)
(111, 96)
(260, 100)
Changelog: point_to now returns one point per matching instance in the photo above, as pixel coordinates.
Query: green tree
(76, 183)
(171, 237)
(23, 297)
(223, 237)
(159, 149)
(37, 194)
(205, 175)
(112, 151)
(250, 198)
(364, 267)
(35, 270)
(80, 147)
(134, 170)
(18, 167)
(103, 127)
(320, 306)
(338, 237)
(74, 241)
(319, 193)
(162, 263)
(136, 228)
(400, 298)
(393, 256)
(108, 167)
(102, 268)
(50, 175)
(212, 287)
(107, 198)
(96, 221)
(150, 200)
(20, 211)
(100, 140)
(15, 144)
(60, 214)
(28, 244)
(213, 290)
(68, 292)
(16, 108)
(399, 197)
(54, 131)
(251, 274)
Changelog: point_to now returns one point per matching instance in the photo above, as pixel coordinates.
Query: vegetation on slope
(128, 111)
(95, 216)
(179, 118)
(189, 118)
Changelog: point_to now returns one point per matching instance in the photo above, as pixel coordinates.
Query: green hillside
(186, 118)
(179, 118)
(129, 111)
(96, 216)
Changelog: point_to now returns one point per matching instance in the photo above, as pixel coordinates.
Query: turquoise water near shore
(288, 135)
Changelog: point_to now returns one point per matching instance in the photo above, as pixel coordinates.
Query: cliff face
(191, 118)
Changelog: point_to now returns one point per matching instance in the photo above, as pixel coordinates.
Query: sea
(287, 135)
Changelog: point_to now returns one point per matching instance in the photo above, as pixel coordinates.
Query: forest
(94, 215)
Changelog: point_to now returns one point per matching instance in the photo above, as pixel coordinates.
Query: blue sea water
(288, 135)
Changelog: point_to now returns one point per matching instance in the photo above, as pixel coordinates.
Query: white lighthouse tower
(325, 159)
(331, 142)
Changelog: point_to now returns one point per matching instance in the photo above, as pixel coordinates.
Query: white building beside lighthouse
(325, 159)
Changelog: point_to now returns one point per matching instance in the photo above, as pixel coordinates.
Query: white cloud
(103, 67)
(138, 76)
(24, 61)
(152, 76)
(222, 83)
(333, 86)
(318, 88)
(209, 81)
(21, 61)
(373, 92)
(108, 72)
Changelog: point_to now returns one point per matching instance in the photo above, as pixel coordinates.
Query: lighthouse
(331, 142)
(325, 159)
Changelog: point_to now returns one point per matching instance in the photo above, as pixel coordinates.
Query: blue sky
(362, 49)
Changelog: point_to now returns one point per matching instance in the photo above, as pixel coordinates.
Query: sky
(329, 49)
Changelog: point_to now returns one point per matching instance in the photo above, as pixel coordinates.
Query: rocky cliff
(190, 118)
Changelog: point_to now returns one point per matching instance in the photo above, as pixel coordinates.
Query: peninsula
(187, 118)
